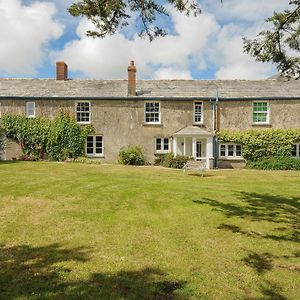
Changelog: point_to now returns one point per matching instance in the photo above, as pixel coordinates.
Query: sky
(34, 34)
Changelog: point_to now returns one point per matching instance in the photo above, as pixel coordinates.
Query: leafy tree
(109, 16)
(281, 44)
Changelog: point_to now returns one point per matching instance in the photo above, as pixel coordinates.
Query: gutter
(135, 98)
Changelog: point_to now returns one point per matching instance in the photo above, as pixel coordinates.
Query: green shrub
(259, 144)
(66, 138)
(275, 163)
(170, 161)
(59, 139)
(131, 155)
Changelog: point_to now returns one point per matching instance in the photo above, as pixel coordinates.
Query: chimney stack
(61, 70)
(131, 79)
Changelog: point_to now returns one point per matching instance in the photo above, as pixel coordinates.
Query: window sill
(84, 123)
(94, 156)
(152, 124)
(162, 152)
(262, 124)
(231, 158)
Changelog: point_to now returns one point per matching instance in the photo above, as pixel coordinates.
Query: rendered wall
(122, 122)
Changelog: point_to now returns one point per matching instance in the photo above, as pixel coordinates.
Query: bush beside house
(132, 155)
(39, 138)
(265, 149)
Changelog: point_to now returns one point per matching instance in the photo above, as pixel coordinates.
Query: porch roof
(193, 131)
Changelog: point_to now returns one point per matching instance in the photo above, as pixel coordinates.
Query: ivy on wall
(41, 138)
(266, 143)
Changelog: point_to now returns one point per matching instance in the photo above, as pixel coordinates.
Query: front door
(198, 149)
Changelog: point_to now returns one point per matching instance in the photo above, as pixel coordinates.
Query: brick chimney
(131, 79)
(61, 70)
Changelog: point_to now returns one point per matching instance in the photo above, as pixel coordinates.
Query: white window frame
(162, 151)
(94, 154)
(226, 150)
(297, 150)
(268, 112)
(90, 112)
(159, 113)
(194, 112)
(27, 109)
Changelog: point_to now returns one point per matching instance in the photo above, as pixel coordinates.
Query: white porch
(195, 142)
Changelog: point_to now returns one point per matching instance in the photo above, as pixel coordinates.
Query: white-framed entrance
(194, 142)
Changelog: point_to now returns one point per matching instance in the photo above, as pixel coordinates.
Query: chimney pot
(131, 79)
(61, 70)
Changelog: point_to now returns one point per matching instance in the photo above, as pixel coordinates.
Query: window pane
(158, 144)
(238, 151)
(294, 150)
(198, 112)
(94, 145)
(30, 107)
(222, 150)
(152, 112)
(166, 144)
(230, 150)
(83, 112)
(260, 112)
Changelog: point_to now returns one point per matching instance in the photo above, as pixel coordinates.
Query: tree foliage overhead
(109, 16)
(281, 44)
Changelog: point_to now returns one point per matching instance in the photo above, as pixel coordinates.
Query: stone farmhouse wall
(121, 122)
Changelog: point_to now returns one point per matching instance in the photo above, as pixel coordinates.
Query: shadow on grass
(200, 175)
(8, 162)
(41, 273)
(269, 291)
(262, 207)
(261, 262)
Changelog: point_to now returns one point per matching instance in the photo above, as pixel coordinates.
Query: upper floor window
(296, 150)
(94, 145)
(230, 150)
(30, 109)
(260, 112)
(152, 112)
(162, 145)
(198, 112)
(83, 112)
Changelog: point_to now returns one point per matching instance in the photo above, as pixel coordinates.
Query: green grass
(77, 231)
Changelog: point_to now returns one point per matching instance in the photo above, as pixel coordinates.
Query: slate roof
(240, 89)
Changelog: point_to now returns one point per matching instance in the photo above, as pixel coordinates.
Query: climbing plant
(39, 138)
(258, 144)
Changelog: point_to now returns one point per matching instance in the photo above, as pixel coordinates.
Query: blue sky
(35, 34)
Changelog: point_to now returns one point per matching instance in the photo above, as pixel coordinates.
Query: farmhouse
(161, 116)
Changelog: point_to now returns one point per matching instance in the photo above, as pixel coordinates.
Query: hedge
(261, 144)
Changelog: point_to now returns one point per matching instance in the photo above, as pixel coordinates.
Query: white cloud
(232, 61)
(244, 10)
(172, 73)
(25, 32)
(173, 54)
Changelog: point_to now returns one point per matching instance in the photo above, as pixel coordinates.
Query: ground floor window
(94, 145)
(296, 150)
(162, 145)
(230, 150)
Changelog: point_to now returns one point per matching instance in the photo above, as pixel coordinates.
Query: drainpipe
(216, 142)
(214, 103)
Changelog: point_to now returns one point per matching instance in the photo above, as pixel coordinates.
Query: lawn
(75, 231)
